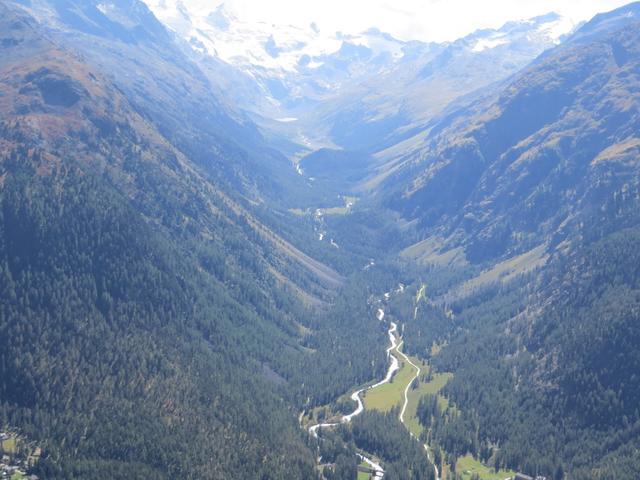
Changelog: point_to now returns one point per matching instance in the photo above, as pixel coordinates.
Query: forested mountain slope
(126, 43)
(528, 164)
(149, 320)
(534, 193)
(544, 366)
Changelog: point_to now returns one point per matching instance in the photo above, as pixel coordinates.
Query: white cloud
(428, 20)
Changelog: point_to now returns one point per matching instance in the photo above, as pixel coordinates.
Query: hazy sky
(436, 20)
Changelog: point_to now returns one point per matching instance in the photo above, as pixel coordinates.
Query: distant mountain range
(331, 89)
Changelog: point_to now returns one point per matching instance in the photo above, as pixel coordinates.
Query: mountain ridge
(355, 66)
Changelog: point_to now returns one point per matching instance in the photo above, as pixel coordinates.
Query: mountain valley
(239, 250)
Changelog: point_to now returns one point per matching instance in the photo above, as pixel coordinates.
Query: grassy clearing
(364, 475)
(321, 414)
(9, 445)
(429, 252)
(335, 211)
(435, 349)
(626, 148)
(299, 212)
(389, 395)
(433, 387)
(467, 466)
(345, 209)
(349, 202)
(303, 331)
(509, 269)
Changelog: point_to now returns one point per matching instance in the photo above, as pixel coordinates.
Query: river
(355, 396)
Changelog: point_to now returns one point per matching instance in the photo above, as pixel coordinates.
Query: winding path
(355, 396)
(378, 471)
(406, 402)
(406, 390)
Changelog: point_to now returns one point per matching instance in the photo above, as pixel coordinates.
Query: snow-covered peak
(488, 43)
(221, 18)
(378, 42)
(556, 29)
(545, 30)
(218, 31)
(309, 84)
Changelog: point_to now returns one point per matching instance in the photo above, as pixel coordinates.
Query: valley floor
(408, 379)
